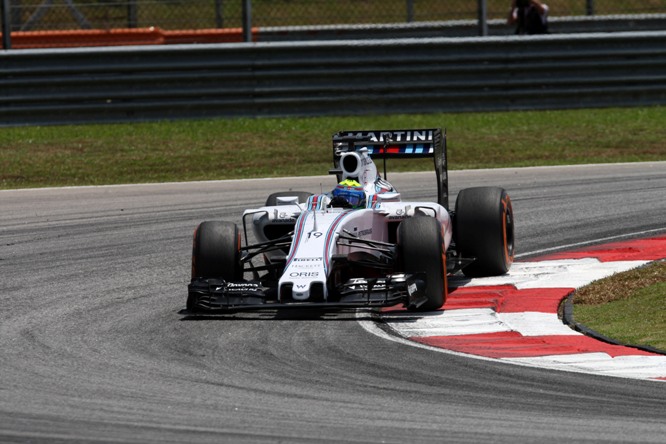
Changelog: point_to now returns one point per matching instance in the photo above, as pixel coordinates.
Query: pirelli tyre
(216, 251)
(421, 249)
(483, 230)
(271, 200)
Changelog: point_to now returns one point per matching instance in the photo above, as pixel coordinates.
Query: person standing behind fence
(529, 16)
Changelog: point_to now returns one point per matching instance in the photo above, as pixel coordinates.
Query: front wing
(217, 295)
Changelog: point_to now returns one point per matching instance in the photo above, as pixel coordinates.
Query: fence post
(219, 16)
(6, 26)
(589, 7)
(247, 20)
(483, 17)
(132, 16)
(410, 11)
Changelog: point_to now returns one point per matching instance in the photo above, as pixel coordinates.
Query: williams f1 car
(359, 246)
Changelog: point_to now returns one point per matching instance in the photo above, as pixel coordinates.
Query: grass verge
(242, 148)
(629, 307)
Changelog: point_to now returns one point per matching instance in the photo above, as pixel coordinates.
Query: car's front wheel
(421, 249)
(216, 251)
(215, 254)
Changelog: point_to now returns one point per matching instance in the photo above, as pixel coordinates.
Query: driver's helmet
(348, 194)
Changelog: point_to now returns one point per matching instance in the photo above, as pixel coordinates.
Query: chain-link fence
(34, 15)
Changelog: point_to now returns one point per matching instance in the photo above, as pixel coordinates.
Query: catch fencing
(332, 78)
(58, 23)
(33, 15)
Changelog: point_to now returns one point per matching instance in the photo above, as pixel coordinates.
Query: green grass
(629, 307)
(242, 148)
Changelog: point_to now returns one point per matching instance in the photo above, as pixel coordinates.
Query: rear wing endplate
(398, 144)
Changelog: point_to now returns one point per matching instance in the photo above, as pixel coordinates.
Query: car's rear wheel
(484, 230)
(421, 249)
(271, 200)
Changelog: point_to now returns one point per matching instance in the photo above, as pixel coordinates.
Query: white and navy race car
(360, 245)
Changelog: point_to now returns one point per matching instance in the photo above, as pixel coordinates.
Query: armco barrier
(331, 78)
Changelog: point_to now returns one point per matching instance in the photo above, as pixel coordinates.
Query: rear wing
(398, 144)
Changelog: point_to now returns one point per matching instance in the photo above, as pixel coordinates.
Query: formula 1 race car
(358, 246)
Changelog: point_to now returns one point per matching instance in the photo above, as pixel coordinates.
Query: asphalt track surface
(93, 348)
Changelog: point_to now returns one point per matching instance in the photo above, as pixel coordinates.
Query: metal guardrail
(332, 78)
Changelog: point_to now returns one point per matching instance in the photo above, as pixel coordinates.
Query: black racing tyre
(421, 249)
(271, 200)
(484, 230)
(216, 251)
